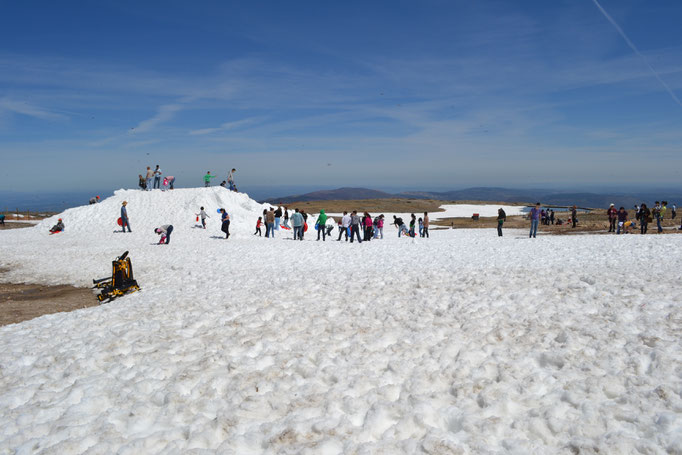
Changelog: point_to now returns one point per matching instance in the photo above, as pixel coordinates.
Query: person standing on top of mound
(297, 223)
(230, 180)
(157, 177)
(148, 180)
(322, 225)
(501, 218)
(534, 220)
(226, 223)
(612, 213)
(398, 222)
(124, 217)
(270, 223)
(355, 226)
(207, 179)
(171, 182)
(165, 232)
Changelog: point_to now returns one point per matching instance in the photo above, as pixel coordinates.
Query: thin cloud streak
(21, 107)
(639, 54)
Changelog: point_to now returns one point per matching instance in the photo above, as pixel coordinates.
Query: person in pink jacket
(379, 228)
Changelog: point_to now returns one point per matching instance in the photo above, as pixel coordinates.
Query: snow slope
(462, 343)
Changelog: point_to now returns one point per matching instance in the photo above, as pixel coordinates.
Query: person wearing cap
(124, 217)
(612, 213)
(59, 227)
(165, 232)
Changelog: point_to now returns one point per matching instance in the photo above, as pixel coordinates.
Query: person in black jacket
(574, 216)
(501, 218)
(643, 215)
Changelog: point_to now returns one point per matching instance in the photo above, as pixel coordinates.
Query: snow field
(462, 343)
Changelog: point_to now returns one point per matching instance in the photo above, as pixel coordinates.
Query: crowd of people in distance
(364, 228)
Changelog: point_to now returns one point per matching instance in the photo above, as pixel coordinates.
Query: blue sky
(429, 94)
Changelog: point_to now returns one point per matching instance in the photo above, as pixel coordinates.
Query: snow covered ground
(461, 343)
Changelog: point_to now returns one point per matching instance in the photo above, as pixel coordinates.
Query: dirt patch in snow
(21, 302)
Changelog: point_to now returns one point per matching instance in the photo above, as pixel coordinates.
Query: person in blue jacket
(226, 223)
(124, 217)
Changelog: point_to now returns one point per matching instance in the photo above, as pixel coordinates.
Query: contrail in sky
(636, 51)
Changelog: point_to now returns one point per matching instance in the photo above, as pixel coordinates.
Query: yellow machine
(121, 281)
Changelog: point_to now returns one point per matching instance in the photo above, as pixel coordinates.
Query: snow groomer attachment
(121, 281)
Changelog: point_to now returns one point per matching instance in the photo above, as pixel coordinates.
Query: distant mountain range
(490, 194)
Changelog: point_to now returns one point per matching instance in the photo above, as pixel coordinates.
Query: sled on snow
(121, 282)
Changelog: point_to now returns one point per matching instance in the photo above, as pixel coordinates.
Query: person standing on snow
(426, 225)
(203, 215)
(207, 179)
(367, 222)
(380, 226)
(278, 217)
(286, 217)
(124, 217)
(230, 180)
(148, 180)
(142, 182)
(321, 225)
(270, 223)
(258, 224)
(534, 220)
(226, 223)
(171, 182)
(501, 218)
(612, 213)
(157, 177)
(297, 223)
(355, 226)
(345, 225)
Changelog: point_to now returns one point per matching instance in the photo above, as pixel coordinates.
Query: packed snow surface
(461, 343)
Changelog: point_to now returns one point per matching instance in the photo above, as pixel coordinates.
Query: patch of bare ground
(21, 302)
(378, 206)
(11, 225)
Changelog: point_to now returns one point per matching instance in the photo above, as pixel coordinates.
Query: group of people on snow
(152, 179)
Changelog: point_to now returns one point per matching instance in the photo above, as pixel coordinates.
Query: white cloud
(227, 126)
(24, 108)
(163, 114)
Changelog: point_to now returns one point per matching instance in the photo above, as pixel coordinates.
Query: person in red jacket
(612, 213)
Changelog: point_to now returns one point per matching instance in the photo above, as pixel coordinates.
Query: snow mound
(150, 209)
